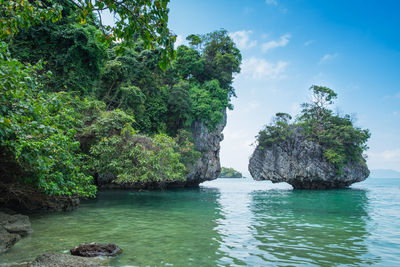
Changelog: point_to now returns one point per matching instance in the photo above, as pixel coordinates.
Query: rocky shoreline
(12, 228)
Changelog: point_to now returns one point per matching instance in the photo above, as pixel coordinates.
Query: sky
(352, 47)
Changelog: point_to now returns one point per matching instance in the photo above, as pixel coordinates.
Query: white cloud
(242, 39)
(387, 155)
(308, 42)
(271, 2)
(328, 57)
(283, 41)
(179, 41)
(259, 68)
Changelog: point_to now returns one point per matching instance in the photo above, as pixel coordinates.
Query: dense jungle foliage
(340, 140)
(230, 173)
(79, 98)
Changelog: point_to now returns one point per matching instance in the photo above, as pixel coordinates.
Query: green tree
(340, 140)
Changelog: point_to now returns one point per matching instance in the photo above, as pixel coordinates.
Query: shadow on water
(312, 227)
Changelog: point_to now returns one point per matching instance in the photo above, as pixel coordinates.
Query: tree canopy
(340, 140)
(73, 106)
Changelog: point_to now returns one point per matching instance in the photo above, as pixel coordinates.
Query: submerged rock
(300, 163)
(64, 260)
(12, 228)
(94, 250)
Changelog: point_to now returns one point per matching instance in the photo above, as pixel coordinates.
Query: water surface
(231, 222)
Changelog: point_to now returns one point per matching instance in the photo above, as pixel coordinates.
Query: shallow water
(231, 222)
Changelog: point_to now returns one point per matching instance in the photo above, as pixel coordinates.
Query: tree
(339, 139)
(144, 19)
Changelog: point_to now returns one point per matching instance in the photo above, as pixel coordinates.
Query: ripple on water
(231, 222)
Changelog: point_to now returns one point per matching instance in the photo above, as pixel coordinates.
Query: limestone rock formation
(208, 167)
(301, 163)
(12, 228)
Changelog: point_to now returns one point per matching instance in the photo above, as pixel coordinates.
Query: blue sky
(352, 47)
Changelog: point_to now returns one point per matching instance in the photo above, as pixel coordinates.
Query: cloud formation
(242, 39)
(328, 57)
(179, 41)
(283, 41)
(308, 42)
(271, 2)
(259, 68)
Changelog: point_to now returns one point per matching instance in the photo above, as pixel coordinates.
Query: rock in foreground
(64, 260)
(94, 250)
(301, 164)
(12, 228)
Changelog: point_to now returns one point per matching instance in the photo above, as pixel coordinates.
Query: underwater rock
(94, 250)
(12, 229)
(64, 260)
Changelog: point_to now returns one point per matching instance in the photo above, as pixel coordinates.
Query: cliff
(301, 163)
(208, 167)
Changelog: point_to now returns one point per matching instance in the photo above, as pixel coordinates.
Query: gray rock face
(12, 228)
(300, 163)
(208, 167)
(64, 260)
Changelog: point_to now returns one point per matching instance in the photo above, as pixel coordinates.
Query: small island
(318, 150)
(230, 173)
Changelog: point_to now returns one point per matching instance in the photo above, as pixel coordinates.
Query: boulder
(12, 228)
(95, 250)
(63, 260)
(301, 163)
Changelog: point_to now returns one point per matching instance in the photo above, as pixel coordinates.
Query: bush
(38, 131)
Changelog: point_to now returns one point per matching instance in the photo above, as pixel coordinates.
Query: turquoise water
(231, 222)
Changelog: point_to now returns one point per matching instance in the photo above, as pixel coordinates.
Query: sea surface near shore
(230, 222)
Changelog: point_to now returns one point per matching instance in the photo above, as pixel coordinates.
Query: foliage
(340, 140)
(187, 149)
(85, 108)
(229, 173)
(72, 53)
(136, 158)
(146, 19)
(39, 132)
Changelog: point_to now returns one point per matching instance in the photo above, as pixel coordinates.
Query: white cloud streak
(259, 68)
(242, 39)
(271, 2)
(282, 42)
(328, 57)
(308, 42)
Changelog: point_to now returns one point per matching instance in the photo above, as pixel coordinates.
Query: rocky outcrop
(301, 163)
(12, 229)
(95, 250)
(63, 260)
(20, 197)
(208, 167)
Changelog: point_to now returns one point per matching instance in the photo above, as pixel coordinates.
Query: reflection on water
(318, 227)
(230, 222)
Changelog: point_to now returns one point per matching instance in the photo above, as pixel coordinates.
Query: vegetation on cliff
(340, 140)
(80, 98)
(230, 173)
